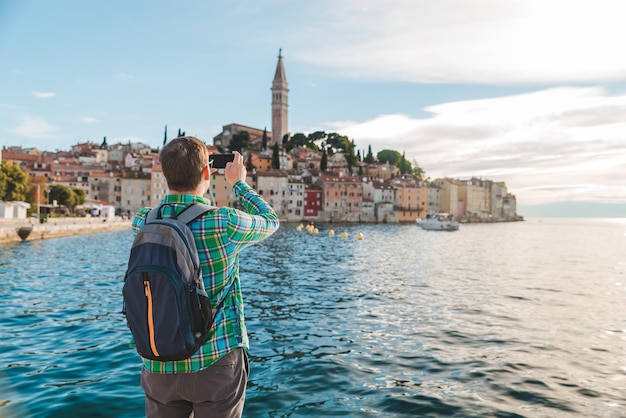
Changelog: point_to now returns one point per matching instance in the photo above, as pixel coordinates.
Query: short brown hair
(183, 159)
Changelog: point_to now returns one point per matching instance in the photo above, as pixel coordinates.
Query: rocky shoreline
(12, 231)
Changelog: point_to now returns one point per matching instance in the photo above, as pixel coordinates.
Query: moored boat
(438, 222)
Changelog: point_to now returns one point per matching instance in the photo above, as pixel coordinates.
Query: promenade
(58, 227)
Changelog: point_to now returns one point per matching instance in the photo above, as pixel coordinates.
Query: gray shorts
(218, 391)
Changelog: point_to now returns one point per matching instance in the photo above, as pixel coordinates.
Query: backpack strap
(189, 214)
(193, 212)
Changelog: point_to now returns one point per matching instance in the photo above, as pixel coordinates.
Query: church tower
(280, 94)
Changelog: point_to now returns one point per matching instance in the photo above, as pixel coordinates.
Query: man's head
(184, 161)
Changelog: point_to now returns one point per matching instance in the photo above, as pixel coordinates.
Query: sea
(520, 319)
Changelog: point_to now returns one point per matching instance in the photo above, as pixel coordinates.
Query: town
(306, 178)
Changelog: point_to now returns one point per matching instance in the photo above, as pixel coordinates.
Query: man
(212, 382)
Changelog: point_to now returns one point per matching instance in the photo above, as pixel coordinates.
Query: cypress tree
(276, 157)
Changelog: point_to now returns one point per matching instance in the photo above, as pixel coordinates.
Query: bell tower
(280, 111)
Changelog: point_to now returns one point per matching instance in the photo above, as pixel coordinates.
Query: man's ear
(206, 172)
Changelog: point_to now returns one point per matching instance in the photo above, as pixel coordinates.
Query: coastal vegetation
(16, 185)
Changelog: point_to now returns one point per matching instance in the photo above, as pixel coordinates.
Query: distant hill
(573, 210)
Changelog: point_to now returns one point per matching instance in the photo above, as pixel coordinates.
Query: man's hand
(236, 170)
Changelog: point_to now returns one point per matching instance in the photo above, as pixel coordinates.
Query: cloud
(550, 145)
(88, 119)
(44, 94)
(125, 76)
(459, 41)
(34, 127)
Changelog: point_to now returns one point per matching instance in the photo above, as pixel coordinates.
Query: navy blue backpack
(166, 306)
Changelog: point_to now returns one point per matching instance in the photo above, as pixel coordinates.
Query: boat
(438, 222)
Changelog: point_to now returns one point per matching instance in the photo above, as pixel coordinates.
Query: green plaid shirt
(219, 236)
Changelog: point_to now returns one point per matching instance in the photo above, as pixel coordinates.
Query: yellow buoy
(359, 236)
(331, 233)
(344, 234)
(316, 231)
(299, 228)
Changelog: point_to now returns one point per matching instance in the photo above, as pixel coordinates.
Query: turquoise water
(504, 320)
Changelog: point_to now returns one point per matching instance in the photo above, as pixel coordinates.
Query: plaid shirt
(219, 236)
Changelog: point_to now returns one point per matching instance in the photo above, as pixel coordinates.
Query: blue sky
(530, 92)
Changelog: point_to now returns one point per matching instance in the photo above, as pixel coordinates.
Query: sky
(529, 92)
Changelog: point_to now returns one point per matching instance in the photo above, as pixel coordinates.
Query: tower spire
(280, 92)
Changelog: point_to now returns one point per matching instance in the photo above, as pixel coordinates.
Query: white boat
(438, 222)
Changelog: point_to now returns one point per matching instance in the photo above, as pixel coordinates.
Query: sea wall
(58, 227)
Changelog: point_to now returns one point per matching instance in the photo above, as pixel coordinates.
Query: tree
(417, 171)
(324, 162)
(264, 140)
(404, 165)
(165, 135)
(338, 143)
(389, 156)
(240, 141)
(249, 165)
(297, 140)
(350, 157)
(13, 183)
(369, 158)
(276, 157)
(67, 196)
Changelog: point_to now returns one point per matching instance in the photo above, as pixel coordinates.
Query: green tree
(417, 171)
(390, 156)
(240, 141)
(369, 158)
(324, 161)
(67, 196)
(249, 165)
(404, 165)
(296, 140)
(338, 143)
(13, 183)
(349, 155)
(276, 156)
(264, 140)
(78, 197)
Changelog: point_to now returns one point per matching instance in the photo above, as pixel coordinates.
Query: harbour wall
(58, 227)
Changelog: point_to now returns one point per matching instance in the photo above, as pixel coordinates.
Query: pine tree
(165, 135)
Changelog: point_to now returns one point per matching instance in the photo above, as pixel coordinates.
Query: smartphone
(220, 160)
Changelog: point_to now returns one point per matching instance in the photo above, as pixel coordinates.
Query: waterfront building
(280, 106)
(158, 183)
(342, 197)
(474, 195)
(498, 195)
(313, 202)
(106, 186)
(273, 185)
(295, 199)
(136, 191)
(448, 195)
(434, 200)
(411, 200)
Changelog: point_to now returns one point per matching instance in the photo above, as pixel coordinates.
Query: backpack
(166, 306)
